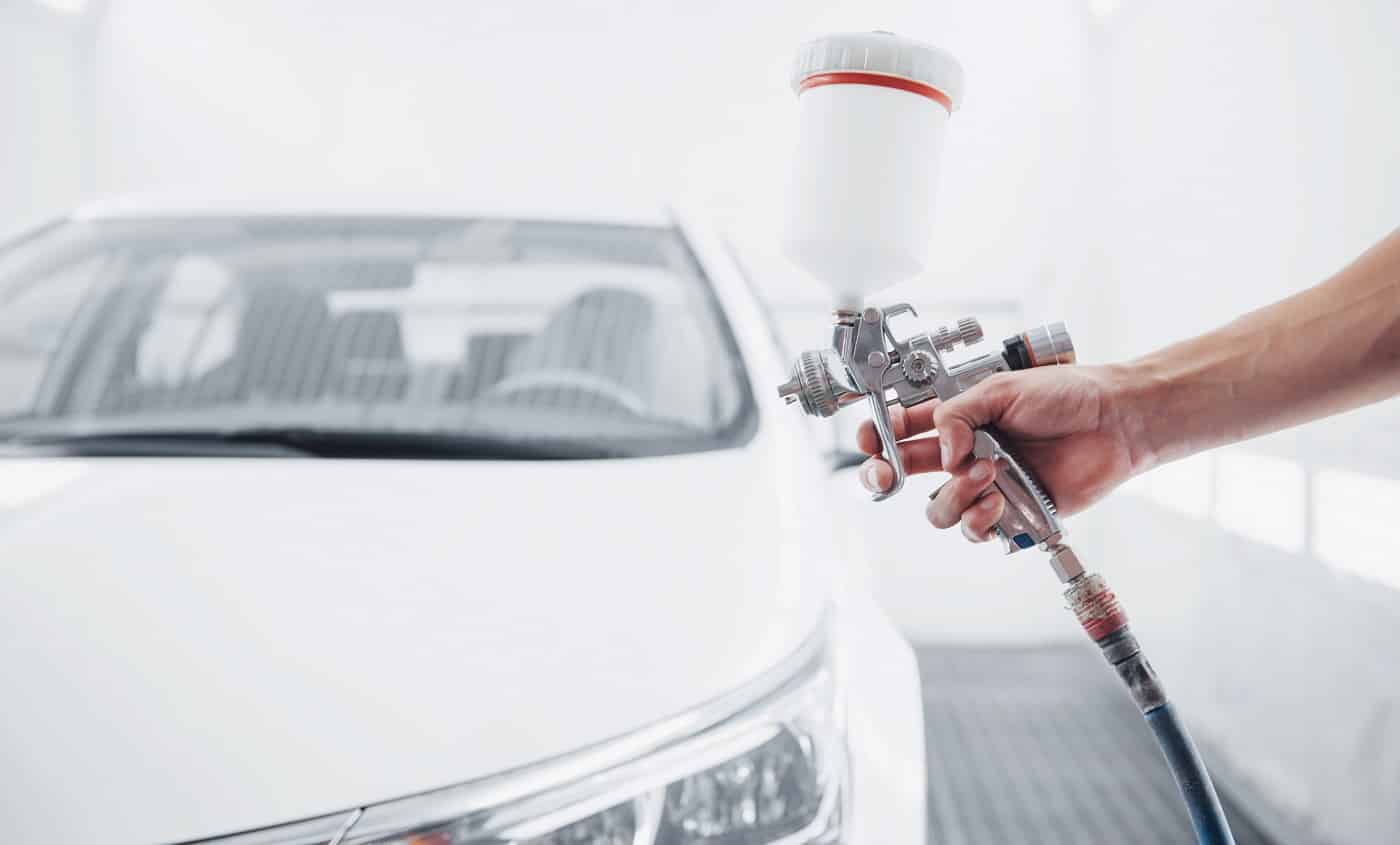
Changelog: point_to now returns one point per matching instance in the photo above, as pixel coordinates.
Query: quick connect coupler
(1102, 617)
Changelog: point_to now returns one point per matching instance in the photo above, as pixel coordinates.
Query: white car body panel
(201, 646)
(275, 621)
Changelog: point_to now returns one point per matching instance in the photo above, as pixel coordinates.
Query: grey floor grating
(1043, 746)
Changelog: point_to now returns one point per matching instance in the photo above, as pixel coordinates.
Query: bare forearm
(1330, 348)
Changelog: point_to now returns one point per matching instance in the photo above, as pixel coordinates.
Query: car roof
(609, 209)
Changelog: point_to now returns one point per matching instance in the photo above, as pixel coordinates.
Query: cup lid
(848, 56)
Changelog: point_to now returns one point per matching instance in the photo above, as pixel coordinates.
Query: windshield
(496, 329)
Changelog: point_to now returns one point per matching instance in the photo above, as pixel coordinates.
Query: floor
(1042, 745)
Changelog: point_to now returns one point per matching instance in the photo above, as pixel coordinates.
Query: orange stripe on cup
(923, 89)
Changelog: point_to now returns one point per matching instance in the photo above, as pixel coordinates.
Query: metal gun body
(867, 361)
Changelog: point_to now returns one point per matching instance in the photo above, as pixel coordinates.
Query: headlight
(764, 764)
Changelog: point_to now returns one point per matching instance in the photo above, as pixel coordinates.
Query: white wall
(544, 98)
(44, 133)
(1249, 150)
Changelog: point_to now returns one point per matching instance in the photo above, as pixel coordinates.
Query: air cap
(879, 58)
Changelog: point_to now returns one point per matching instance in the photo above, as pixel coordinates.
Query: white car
(378, 525)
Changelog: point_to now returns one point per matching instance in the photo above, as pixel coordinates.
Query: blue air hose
(1103, 619)
(1207, 816)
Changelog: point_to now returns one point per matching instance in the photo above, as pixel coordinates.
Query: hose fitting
(1123, 653)
(1095, 606)
(1102, 617)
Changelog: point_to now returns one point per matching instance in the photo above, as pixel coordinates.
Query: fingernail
(981, 471)
(870, 477)
(944, 452)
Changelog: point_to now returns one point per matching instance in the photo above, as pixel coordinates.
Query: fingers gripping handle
(889, 446)
(1030, 518)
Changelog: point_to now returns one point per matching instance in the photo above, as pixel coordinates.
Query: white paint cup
(872, 109)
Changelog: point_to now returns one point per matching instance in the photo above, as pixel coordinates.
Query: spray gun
(872, 112)
(867, 361)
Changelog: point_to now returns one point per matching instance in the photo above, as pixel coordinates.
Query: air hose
(1103, 619)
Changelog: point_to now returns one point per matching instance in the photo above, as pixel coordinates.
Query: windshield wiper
(317, 442)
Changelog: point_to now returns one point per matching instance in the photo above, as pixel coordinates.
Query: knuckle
(997, 388)
(999, 381)
(948, 412)
(937, 513)
(995, 380)
(965, 490)
(899, 420)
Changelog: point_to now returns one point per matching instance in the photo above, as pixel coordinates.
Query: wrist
(1136, 411)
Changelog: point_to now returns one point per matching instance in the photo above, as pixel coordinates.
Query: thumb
(956, 419)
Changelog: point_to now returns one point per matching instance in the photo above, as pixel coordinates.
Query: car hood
(195, 647)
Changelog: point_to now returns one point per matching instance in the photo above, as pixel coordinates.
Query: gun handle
(1030, 518)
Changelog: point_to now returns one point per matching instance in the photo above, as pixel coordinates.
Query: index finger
(907, 423)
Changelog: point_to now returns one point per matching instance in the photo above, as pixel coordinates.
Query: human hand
(1070, 426)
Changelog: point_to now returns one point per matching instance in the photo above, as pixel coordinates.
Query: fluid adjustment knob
(970, 331)
(967, 333)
